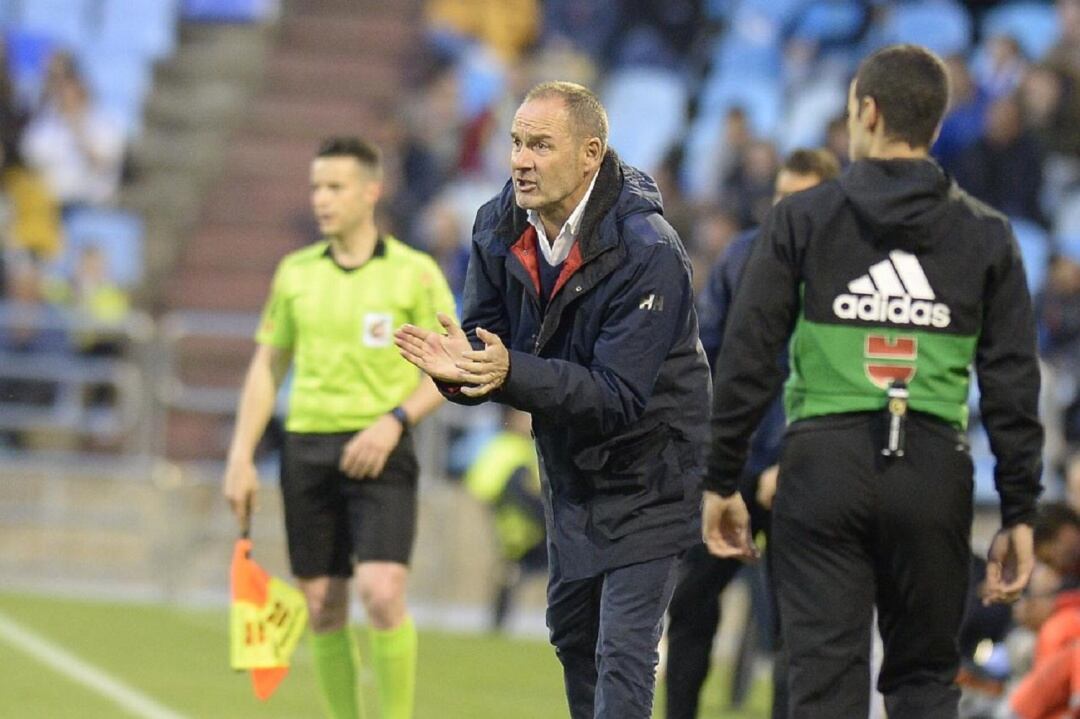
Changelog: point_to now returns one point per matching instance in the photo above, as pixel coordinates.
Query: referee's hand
(365, 455)
(1009, 564)
(725, 527)
(240, 485)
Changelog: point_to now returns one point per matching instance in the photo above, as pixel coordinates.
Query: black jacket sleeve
(748, 371)
(1008, 372)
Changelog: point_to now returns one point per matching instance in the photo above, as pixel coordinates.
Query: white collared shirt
(556, 252)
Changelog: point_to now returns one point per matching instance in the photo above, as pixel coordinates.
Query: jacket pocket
(638, 485)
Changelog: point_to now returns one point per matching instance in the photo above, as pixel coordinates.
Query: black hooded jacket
(891, 272)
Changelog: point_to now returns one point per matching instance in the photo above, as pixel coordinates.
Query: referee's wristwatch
(399, 414)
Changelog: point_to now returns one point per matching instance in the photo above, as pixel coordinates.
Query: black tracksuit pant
(694, 615)
(852, 529)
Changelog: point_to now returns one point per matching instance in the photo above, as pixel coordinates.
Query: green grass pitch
(179, 658)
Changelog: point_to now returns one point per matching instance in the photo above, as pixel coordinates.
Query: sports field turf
(178, 658)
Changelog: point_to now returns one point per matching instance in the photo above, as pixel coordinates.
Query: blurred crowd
(709, 95)
(64, 246)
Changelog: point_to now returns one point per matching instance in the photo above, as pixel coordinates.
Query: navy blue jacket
(612, 371)
(714, 303)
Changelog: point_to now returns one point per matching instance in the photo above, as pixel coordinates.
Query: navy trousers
(605, 630)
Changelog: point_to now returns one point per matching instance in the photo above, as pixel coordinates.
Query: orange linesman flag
(266, 620)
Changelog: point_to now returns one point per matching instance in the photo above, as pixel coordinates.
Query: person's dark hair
(818, 162)
(1050, 518)
(911, 88)
(587, 114)
(364, 152)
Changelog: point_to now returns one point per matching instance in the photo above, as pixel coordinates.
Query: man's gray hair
(587, 115)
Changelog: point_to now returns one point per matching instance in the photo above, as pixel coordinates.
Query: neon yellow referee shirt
(339, 324)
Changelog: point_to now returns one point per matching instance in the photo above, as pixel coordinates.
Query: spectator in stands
(836, 139)
(96, 298)
(1065, 55)
(1000, 68)
(749, 186)
(1058, 312)
(12, 117)
(1004, 167)
(75, 146)
(1057, 539)
(29, 327)
(963, 122)
(1072, 482)
(1051, 105)
(1050, 606)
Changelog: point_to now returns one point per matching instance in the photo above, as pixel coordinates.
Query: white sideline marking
(79, 671)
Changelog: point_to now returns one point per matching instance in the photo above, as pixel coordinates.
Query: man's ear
(594, 151)
(869, 114)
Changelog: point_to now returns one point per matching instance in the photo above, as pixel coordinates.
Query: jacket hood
(898, 199)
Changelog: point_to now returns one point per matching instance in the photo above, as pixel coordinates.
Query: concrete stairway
(334, 67)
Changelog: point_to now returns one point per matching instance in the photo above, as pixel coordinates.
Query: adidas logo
(896, 291)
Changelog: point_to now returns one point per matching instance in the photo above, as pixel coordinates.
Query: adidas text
(894, 290)
(896, 310)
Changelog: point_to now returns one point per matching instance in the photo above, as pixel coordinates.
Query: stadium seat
(28, 54)
(239, 11)
(119, 83)
(809, 111)
(120, 236)
(943, 26)
(647, 107)
(760, 96)
(828, 22)
(145, 27)
(1033, 24)
(69, 22)
(1035, 249)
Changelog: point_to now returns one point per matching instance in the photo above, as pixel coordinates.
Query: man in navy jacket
(578, 308)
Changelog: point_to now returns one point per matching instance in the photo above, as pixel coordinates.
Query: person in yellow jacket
(506, 476)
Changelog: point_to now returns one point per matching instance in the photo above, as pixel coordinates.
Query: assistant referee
(349, 470)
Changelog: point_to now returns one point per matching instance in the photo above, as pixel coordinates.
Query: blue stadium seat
(146, 27)
(1033, 24)
(647, 107)
(69, 22)
(1035, 249)
(28, 54)
(828, 22)
(226, 10)
(119, 234)
(760, 96)
(943, 26)
(119, 83)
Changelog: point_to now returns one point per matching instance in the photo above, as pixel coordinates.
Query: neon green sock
(336, 659)
(393, 658)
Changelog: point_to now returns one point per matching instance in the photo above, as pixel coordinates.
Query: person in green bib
(506, 477)
(349, 470)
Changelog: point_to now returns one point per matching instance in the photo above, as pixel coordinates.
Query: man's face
(550, 165)
(859, 135)
(343, 194)
(788, 183)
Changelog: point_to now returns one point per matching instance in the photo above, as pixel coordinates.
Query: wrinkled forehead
(542, 116)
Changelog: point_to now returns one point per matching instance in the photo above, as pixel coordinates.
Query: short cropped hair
(818, 162)
(911, 88)
(364, 152)
(1050, 518)
(587, 115)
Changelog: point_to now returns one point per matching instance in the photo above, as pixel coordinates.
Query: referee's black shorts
(333, 521)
